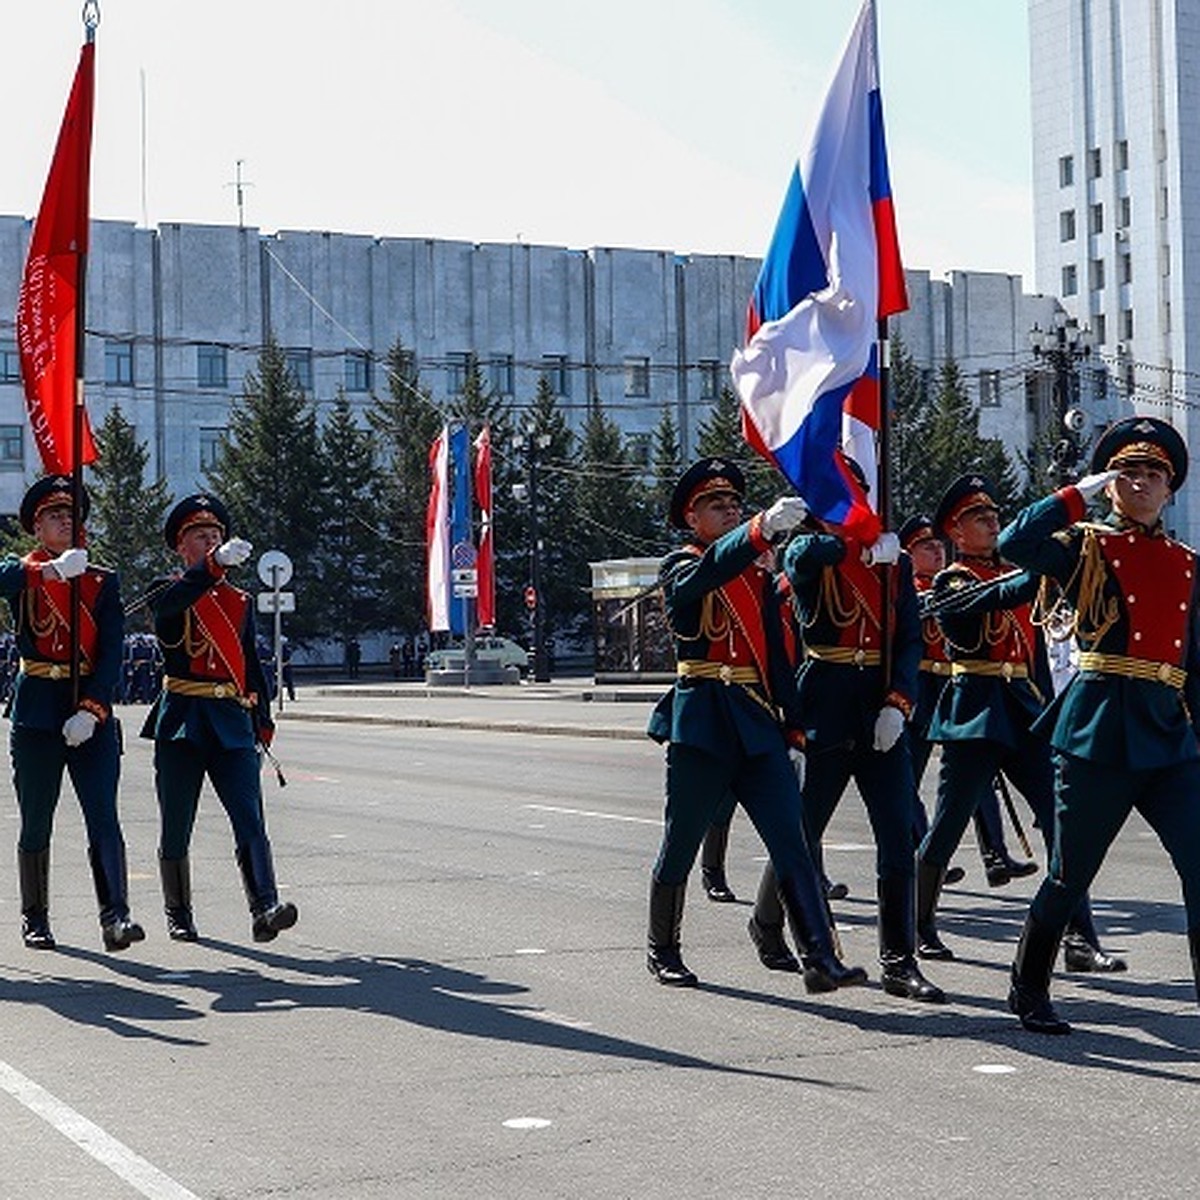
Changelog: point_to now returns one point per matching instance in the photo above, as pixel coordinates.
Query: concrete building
(176, 317)
(1116, 184)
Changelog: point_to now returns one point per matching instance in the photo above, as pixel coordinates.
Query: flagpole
(884, 507)
(91, 19)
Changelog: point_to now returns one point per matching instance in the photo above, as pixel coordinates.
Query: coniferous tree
(349, 596)
(720, 434)
(910, 404)
(610, 495)
(269, 473)
(405, 423)
(952, 446)
(666, 465)
(564, 573)
(127, 513)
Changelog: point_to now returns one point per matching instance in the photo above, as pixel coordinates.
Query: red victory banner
(50, 305)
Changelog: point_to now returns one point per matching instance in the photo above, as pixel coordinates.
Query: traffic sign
(530, 596)
(464, 575)
(266, 602)
(275, 569)
(463, 555)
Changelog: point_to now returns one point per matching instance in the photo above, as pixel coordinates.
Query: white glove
(797, 757)
(884, 552)
(1090, 486)
(80, 727)
(889, 725)
(68, 564)
(783, 516)
(233, 552)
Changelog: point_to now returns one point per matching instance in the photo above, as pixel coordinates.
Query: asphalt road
(464, 1010)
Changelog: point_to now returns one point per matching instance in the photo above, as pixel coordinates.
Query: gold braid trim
(1093, 614)
(714, 617)
(840, 614)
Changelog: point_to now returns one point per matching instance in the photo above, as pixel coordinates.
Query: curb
(585, 731)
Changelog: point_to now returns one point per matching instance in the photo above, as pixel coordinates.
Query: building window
(1066, 225)
(638, 448)
(1096, 218)
(358, 371)
(1126, 264)
(1066, 170)
(1123, 212)
(118, 363)
(212, 366)
(1100, 383)
(12, 448)
(457, 362)
(1096, 274)
(1095, 164)
(554, 368)
(10, 363)
(1070, 280)
(637, 377)
(989, 389)
(299, 363)
(1100, 328)
(1126, 324)
(710, 379)
(210, 447)
(1121, 156)
(500, 374)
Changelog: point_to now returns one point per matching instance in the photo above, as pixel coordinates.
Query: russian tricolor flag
(808, 376)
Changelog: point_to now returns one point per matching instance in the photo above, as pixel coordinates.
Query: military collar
(1120, 522)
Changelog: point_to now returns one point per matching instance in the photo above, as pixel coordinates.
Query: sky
(662, 124)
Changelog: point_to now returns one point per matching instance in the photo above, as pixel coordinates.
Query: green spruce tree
(350, 599)
(720, 435)
(269, 473)
(666, 465)
(127, 515)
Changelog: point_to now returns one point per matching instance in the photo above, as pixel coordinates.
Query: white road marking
(529, 950)
(994, 1069)
(527, 1123)
(587, 812)
(144, 1177)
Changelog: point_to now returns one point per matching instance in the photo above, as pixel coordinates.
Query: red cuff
(797, 739)
(758, 539)
(896, 700)
(1075, 504)
(214, 568)
(98, 710)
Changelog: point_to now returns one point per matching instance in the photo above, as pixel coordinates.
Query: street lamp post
(532, 442)
(1064, 346)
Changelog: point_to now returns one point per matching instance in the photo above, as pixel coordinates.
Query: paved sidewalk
(570, 707)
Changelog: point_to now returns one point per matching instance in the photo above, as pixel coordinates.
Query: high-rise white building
(1116, 185)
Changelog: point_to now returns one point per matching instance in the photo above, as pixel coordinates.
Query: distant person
(394, 660)
(289, 680)
(353, 657)
(409, 667)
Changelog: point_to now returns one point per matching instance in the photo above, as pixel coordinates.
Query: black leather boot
(773, 951)
(808, 916)
(176, 877)
(930, 878)
(33, 870)
(1029, 996)
(109, 874)
(712, 865)
(270, 917)
(1001, 868)
(901, 976)
(663, 958)
(1194, 946)
(1081, 945)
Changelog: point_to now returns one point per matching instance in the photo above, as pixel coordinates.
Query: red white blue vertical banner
(485, 563)
(462, 549)
(808, 376)
(437, 535)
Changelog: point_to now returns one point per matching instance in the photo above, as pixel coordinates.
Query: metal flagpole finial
(91, 17)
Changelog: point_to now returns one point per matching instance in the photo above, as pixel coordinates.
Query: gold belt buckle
(1007, 671)
(219, 691)
(57, 671)
(1164, 672)
(860, 657)
(726, 674)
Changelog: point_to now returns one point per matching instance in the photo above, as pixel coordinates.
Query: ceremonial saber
(1001, 787)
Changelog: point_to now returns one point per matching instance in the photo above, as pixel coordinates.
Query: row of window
(1066, 220)
(1094, 162)
(1096, 274)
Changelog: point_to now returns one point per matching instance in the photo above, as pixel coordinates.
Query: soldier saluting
(1124, 728)
(211, 715)
(722, 721)
(53, 729)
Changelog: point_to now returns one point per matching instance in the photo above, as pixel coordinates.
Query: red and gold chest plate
(1009, 635)
(47, 613)
(1156, 576)
(213, 637)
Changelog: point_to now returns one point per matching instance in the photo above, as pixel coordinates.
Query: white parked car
(489, 648)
